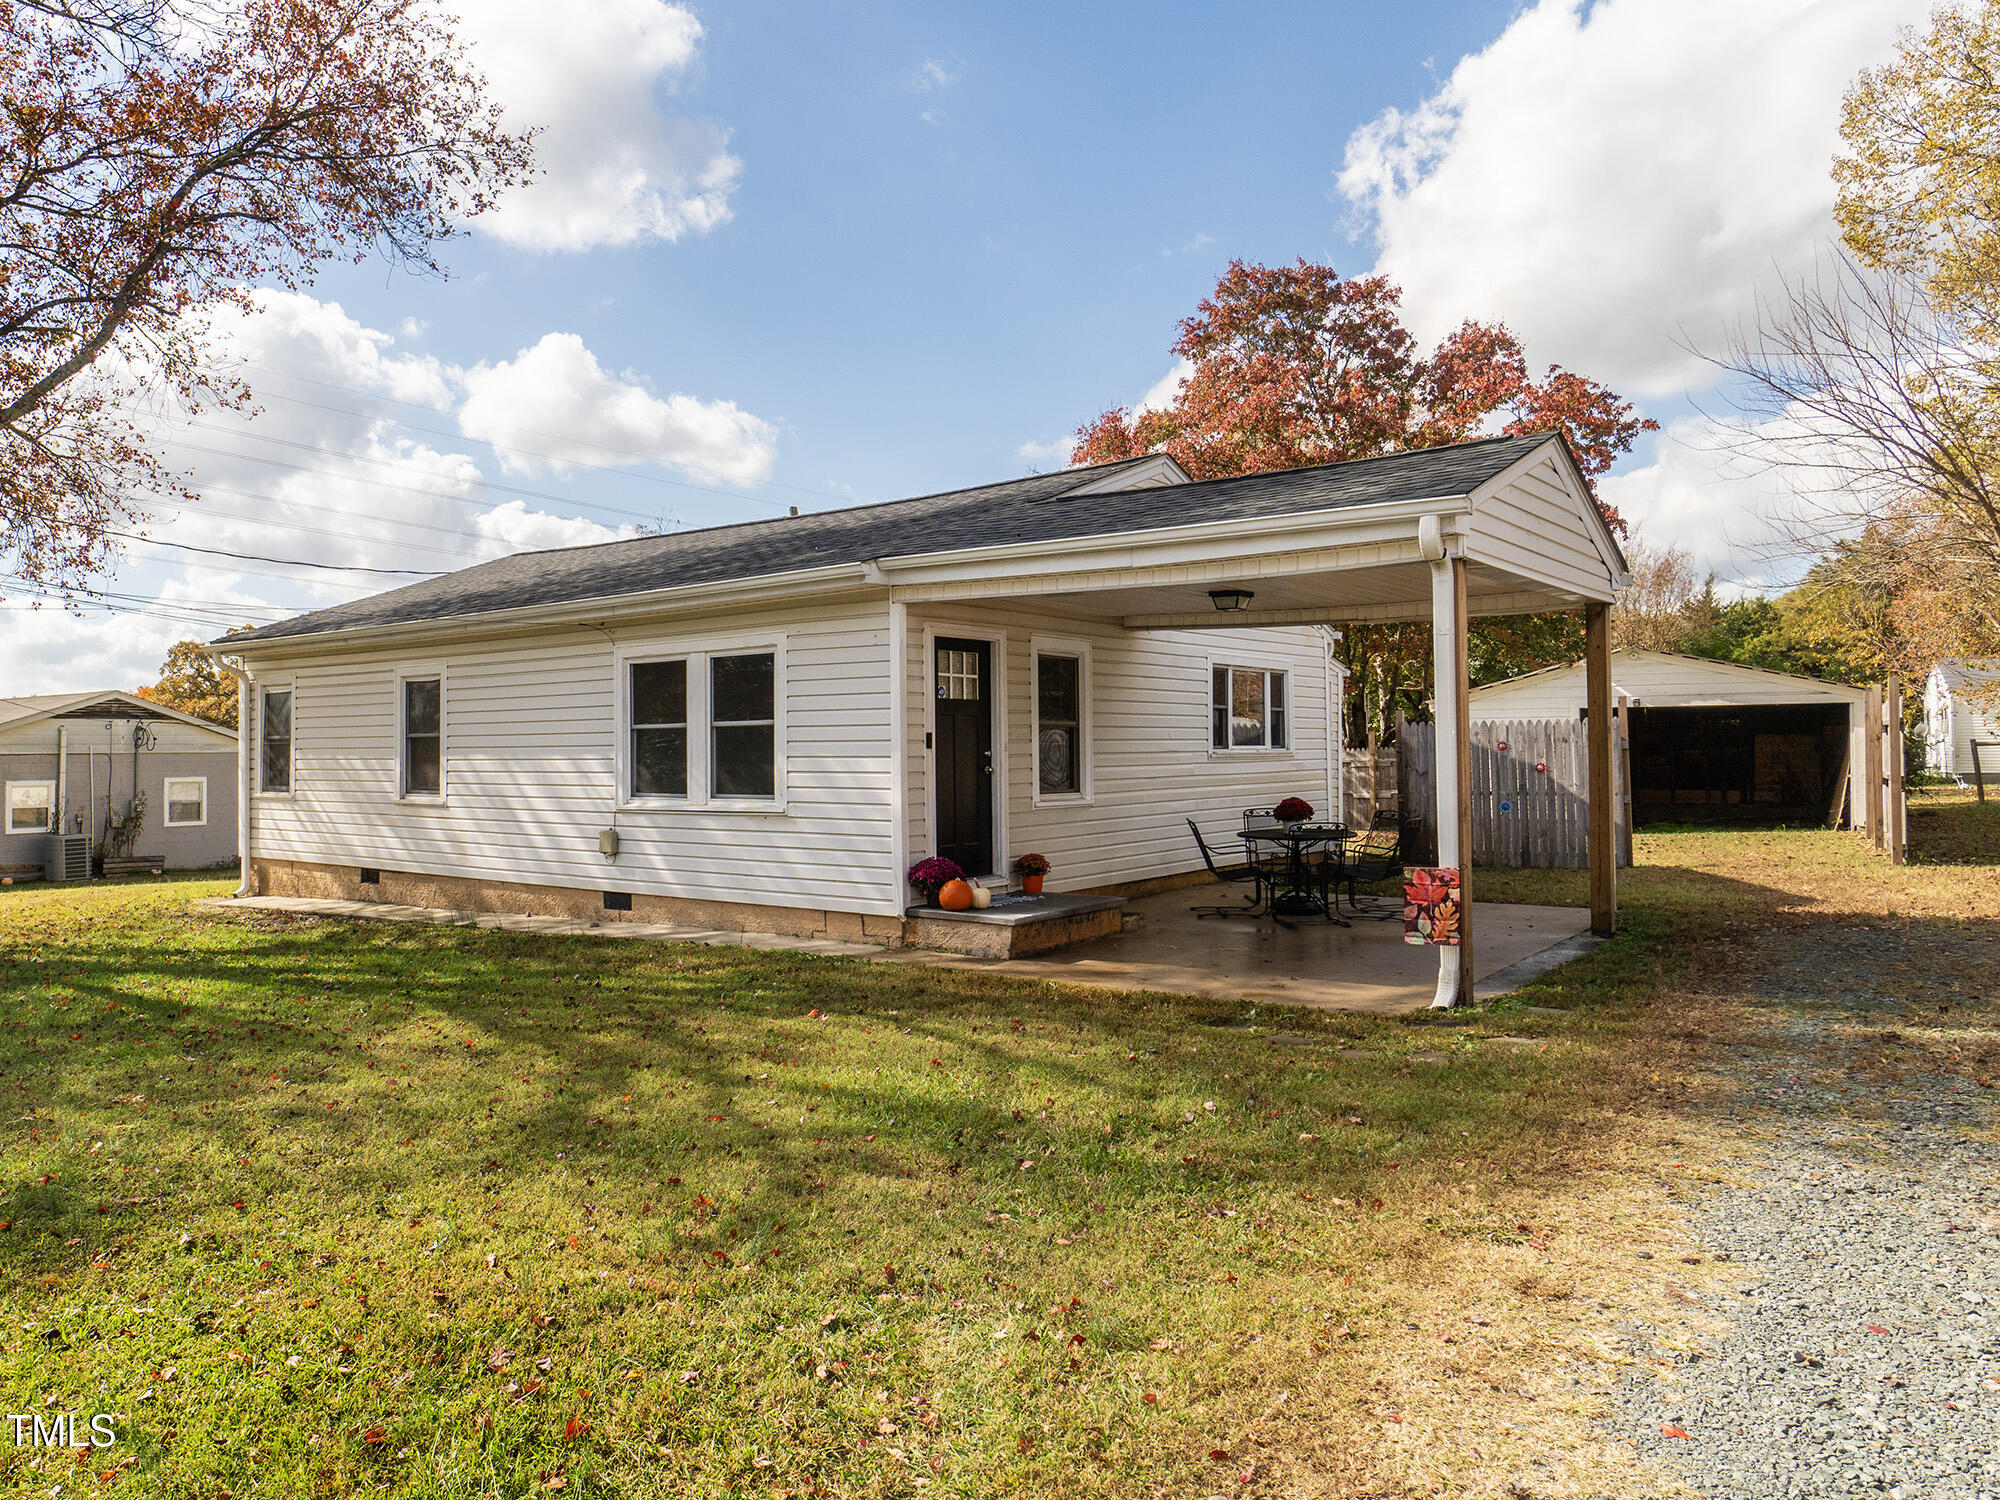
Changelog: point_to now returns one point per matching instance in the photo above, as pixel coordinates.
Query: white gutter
(875, 572)
(62, 780)
(245, 697)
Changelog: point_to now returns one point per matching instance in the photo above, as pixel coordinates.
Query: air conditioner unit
(68, 857)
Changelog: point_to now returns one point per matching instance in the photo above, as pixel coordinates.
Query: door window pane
(958, 675)
(659, 729)
(1059, 703)
(743, 733)
(1218, 735)
(423, 739)
(276, 740)
(1277, 699)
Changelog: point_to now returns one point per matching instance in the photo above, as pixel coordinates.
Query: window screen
(187, 801)
(659, 729)
(743, 726)
(423, 737)
(276, 740)
(1059, 705)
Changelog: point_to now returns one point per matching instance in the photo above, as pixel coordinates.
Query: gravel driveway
(1865, 1353)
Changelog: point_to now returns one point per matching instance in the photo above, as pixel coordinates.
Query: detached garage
(1711, 741)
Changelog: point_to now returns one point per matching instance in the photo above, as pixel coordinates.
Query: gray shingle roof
(1012, 512)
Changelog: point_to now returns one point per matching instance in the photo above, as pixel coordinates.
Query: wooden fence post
(1893, 798)
(1871, 769)
(1603, 827)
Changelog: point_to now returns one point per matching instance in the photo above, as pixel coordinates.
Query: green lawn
(327, 1208)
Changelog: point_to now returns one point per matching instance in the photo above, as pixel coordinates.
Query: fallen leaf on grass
(1878, 1328)
(1667, 1429)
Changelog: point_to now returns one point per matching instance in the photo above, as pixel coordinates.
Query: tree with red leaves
(1292, 365)
(158, 160)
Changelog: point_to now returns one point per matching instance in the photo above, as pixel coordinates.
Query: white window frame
(1003, 860)
(418, 672)
(7, 806)
(167, 819)
(277, 685)
(626, 796)
(1086, 793)
(697, 653)
(1269, 669)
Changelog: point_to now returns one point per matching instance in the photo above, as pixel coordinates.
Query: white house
(1962, 704)
(761, 726)
(69, 759)
(1710, 739)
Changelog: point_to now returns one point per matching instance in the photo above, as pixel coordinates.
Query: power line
(290, 562)
(490, 484)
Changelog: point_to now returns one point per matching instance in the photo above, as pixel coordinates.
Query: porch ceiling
(1387, 591)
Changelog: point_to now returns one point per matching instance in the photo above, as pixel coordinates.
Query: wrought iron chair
(1251, 871)
(1365, 859)
(1258, 817)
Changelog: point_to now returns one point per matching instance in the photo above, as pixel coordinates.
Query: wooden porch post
(1452, 702)
(1603, 811)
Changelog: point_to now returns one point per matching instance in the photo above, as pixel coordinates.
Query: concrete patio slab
(1366, 967)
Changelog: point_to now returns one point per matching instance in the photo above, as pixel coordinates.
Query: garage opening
(1747, 764)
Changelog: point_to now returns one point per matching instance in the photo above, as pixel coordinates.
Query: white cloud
(1166, 390)
(1750, 523)
(616, 168)
(557, 386)
(1054, 453)
(935, 73)
(1612, 179)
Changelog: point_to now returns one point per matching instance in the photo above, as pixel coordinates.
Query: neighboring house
(760, 726)
(1962, 704)
(69, 759)
(1710, 740)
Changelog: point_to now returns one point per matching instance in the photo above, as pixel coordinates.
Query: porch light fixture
(1228, 599)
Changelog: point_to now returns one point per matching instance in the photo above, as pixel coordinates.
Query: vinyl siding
(1532, 526)
(1148, 732)
(1952, 722)
(530, 775)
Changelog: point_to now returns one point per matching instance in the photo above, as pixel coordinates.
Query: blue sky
(808, 255)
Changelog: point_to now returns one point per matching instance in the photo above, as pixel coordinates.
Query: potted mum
(929, 876)
(1292, 810)
(1031, 868)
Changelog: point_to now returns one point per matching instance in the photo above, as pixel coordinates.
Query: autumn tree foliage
(191, 682)
(156, 163)
(1294, 365)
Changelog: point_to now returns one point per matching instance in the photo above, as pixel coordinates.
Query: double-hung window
(187, 801)
(31, 806)
(423, 736)
(1247, 709)
(702, 728)
(658, 694)
(274, 740)
(743, 725)
(1059, 722)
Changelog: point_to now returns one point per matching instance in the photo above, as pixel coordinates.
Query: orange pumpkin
(955, 895)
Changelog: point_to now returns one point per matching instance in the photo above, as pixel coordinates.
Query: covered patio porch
(1491, 528)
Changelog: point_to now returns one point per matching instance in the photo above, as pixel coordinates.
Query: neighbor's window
(1059, 723)
(31, 806)
(659, 699)
(423, 736)
(743, 725)
(276, 740)
(187, 801)
(1247, 709)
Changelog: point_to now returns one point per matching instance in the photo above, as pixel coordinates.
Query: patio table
(1297, 892)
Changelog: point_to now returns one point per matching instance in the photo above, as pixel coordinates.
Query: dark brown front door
(961, 682)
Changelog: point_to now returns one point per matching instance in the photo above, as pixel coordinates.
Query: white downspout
(62, 780)
(245, 697)
(1336, 728)
(1447, 673)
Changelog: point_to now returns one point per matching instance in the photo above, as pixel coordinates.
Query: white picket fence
(1530, 792)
